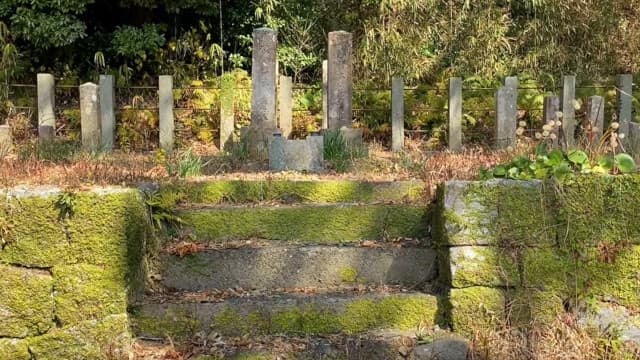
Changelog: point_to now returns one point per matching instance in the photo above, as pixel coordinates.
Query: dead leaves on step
(185, 248)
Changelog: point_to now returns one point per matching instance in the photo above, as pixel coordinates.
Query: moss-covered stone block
(14, 349)
(103, 339)
(37, 237)
(480, 266)
(476, 308)
(26, 304)
(175, 324)
(328, 224)
(88, 292)
(326, 191)
(528, 306)
(547, 269)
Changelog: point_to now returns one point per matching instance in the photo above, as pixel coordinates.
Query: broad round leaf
(578, 157)
(625, 163)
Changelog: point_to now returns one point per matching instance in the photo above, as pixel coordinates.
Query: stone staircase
(270, 258)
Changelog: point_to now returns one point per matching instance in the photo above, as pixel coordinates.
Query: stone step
(287, 314)
(288, 191)
(329, 223)
(297, 267)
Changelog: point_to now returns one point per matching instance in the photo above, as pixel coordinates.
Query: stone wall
(68, 272)
(523, 252)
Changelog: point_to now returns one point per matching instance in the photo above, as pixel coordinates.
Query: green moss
(175, 324)
(86, 292)
(12, 349)
(476, 308)
(330, 191)
(482, 266)
(26, 304)
(348, 274)
(529, 306)
(396, 312)
(316, 223)
(106, 339)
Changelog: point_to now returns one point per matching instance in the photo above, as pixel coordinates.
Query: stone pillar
(624, 90)
(263, 79)
(511, 82)
(455, 114)
(595, 114)
(325, 94)
(165, 107)
(107, 111)
(397, 114)
(633, 144)
(90, 117)
(6, 141)
(286, 105)
(568, 98)
(506, 123)
(46, 106)
(551, 107)
(340, 80)
(227, 115)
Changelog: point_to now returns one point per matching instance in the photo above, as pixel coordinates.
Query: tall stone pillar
(46, 106)
(624, 90)
(505, 134)
(567, 100)
(263, 79)
(340, 81)
(325, 93)
(90, 117)
(165, 108)
(455, 114)
(227, 116)
(286, 105)
(107, 111)
(397, 114)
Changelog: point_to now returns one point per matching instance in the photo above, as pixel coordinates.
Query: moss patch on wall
(476, 308)
(482, 266)
(311, 224)
(14, 349)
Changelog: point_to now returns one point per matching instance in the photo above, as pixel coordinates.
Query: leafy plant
(66, 204)
(187, 164)
(340, 152)
(162, 208)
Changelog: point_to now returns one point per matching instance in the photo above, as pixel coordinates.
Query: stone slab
(297, 267)
(300, 155)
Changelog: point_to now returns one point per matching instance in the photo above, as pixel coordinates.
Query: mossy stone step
(296, 266)
(332, 223)
(303, 314)
(287, 191)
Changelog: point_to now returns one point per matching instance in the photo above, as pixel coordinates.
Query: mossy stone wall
(524, 252)
(67, 280)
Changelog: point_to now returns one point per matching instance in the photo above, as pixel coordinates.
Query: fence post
(165, 108)
(397, 114)
(505, 131)
(340, 80)
(227, 114)
(550, 109)
(46, 107)
(595, 114)
(624, 90)
(568, 98)
(325, 94)
(455, 114)
(107, 111)
(285, 102)
(90, 116)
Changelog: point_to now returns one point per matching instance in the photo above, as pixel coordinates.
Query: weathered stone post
(325, 94)
(595, 114)
(90, 116)
(624, 90)
(511, 82)
(227, 116)
(633, 144)
(397, 114)
(568, 98)
(46, 107)
(263, 79)
(107, 111)
(455, 114)
(6, 141)
(505, 134)
(285, 102)
(165, 108)
(340, 80)
(550, 109)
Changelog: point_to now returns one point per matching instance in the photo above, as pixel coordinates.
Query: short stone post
(624, 90)
(325, 94)
(107, 111)
(595, 114)
(165, 108)
(633, 144)
(340, 81)
(568, 99)
(263, 79)
(285, 95)
(227, 115)
(90, 116)
(511, 82)
(6, 141)
(455, 114)
(397, 114)
(46, 107)
(505, 127)
(550, 109)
